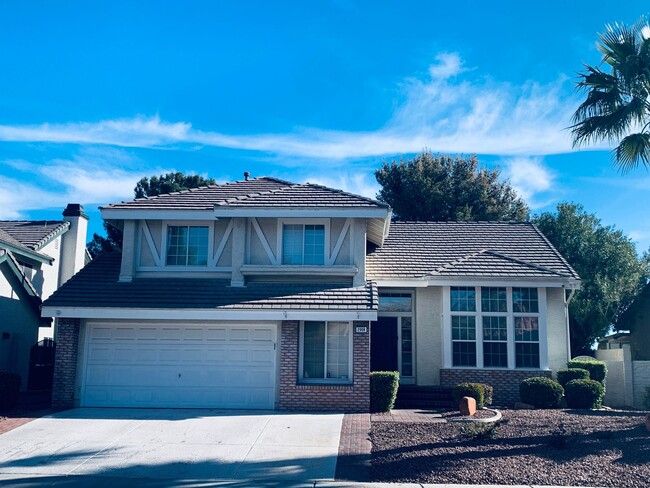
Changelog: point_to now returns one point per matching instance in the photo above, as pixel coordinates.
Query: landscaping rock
(524, 406)
(467, 406)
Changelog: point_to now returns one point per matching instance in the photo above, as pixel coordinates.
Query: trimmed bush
(566, 375)
(9, 387)
(584, 394)
(474, 390)
(541, 392)
(488, 392)
(597, 369)
(383, 390)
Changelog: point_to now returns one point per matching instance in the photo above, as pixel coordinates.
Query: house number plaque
(361, 329)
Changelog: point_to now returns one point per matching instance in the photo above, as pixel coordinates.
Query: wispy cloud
(443, 111)
(359, 183)
(532, 180)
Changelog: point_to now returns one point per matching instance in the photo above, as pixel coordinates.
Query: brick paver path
(409, 416)
(353, 463)
(9, 421)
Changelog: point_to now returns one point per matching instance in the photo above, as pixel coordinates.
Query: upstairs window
(303, 244)
(187, 245)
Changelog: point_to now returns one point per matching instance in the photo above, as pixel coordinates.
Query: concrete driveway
(174, 444)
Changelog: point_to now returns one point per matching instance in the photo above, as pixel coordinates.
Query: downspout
(567, 301)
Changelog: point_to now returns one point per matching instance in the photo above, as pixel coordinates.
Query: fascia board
(206, 314)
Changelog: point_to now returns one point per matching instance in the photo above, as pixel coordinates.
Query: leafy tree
(611, 271)
(617, 107)
(169, 183)
(146, 187)
(439, 187)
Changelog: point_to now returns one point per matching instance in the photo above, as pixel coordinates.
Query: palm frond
(633, 149)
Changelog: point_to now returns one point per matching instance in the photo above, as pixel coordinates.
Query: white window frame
(280, 235)
(190, 223)
(510, 323)
(301, 349)
(403, 379)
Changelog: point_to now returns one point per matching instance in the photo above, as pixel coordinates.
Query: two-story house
(267, 294)
(36, 258)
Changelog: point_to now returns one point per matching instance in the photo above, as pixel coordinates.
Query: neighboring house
(36, 257)
(268, 294)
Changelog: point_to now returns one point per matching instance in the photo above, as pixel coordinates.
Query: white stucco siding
(428, 335)
(46, 280)
(558, 348)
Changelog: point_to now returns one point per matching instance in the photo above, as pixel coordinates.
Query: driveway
(174, 444)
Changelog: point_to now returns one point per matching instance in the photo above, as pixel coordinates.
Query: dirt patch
(535, 447)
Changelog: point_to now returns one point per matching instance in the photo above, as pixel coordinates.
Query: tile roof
(256, 192)
(448, 249)
(96, 285)
(32, 234)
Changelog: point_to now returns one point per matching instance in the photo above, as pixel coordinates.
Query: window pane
(395, 302)
(493, 300)
(463, 328)
(177, 245)
(463, 299)
(292, 244)
(524, 300)
(495, 329)
(197, 253)
(526, 329)
(464, 354)
(407, 347)
(338, 350)
(495, 354)
(314, 350)
(314, 244)
(527, 355)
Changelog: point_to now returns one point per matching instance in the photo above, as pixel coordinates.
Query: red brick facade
(347, 398)
(505, 382)
(65, 363)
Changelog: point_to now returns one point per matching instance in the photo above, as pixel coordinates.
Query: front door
(383, 344)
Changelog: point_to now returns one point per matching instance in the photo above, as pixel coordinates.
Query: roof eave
(297, 211)
(30, 256)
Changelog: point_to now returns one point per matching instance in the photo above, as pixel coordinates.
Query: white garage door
(179, 365)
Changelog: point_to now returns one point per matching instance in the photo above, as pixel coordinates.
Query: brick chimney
(73, 242)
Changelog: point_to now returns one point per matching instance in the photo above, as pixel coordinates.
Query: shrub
(383, 390)
(9, 387)
(584, 394)
(488, 392)
(474, 390)
(566, 375)
(597, 369)
(541, 392)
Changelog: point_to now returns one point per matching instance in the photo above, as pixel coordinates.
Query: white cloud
(359, 183)
(441, 112)
(532, 180)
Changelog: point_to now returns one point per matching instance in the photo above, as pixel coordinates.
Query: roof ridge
(555, 251)
(55, 233)
(526, 263)
(256, 194)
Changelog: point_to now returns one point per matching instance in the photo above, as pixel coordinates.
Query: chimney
(246, 175)
(73, 242)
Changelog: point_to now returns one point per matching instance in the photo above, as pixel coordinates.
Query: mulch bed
(533, 447)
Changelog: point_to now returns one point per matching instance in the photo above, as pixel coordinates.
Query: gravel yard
(542, 447)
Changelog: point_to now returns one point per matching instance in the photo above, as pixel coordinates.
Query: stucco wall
(18, 318)
(641, 373)
(428, 335)
(558, 348)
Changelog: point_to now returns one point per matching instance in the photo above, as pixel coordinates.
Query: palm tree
(617, 107)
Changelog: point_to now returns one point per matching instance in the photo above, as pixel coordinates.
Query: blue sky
(95, 95)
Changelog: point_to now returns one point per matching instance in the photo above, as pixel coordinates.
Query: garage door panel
(180, 366)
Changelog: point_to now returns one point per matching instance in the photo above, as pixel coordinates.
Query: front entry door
(383, 344)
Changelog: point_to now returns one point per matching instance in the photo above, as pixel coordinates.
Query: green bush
(541, 392)
(597, 369)
(474, 390)
(566, 375)
(9, 387)
(584, 394)
(488, 392)
(383, 390)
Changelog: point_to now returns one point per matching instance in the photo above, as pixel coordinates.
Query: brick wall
(505, 382)
(347, 398)
(65, 363)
